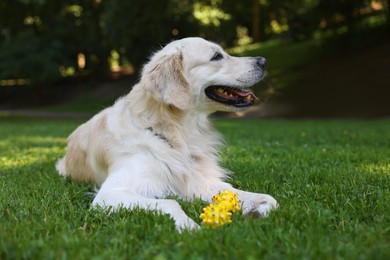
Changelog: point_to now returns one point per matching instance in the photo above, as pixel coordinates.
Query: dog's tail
(60, 166)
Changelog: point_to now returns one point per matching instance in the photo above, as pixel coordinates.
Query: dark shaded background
(348, 85)
(78, 56)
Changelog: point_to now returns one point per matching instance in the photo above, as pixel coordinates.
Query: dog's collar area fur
(195, 158)
(162, 137)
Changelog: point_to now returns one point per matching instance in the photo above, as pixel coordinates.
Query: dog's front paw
(260, 207)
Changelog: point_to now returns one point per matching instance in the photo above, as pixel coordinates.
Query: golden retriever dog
(157, 141)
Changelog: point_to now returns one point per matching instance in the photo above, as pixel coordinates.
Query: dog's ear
(164, 78)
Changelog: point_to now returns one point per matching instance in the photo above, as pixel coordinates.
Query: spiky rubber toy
(219, 213)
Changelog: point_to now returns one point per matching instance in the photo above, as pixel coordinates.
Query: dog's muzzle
(231, 96)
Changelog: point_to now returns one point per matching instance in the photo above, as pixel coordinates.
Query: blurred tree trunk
(102, 52)
(38, 95)
(256, 21)
(388, 13)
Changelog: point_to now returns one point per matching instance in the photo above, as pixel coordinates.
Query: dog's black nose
(261, 62)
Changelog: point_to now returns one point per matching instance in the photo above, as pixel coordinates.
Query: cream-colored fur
(157, 140)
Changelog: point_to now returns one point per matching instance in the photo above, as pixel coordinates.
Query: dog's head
(195, 73)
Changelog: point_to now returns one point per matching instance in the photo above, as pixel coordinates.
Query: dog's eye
(217, 56)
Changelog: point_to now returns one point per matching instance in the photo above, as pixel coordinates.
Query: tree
(256, 21)
(134, 27)
(387, 6)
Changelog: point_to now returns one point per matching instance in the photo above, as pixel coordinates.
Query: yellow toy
(227, 199)
(219, 212)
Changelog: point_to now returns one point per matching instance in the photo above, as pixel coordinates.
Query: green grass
(331, 178)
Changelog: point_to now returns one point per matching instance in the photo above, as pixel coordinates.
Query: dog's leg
(253, 204)
(256, 204)
(117, 199)
(134, 185)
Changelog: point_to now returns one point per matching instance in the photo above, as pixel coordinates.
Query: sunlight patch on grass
(35, 149)
(31, 140)
(18, 159)
(377, 168)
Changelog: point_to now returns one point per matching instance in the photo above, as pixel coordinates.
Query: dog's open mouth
(231, 96)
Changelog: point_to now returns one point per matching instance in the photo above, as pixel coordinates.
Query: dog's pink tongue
(244, 93)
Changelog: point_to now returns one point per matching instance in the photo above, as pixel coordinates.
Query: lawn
(331, 178)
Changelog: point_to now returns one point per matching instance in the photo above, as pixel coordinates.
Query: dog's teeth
(230, 95)
(249, 98)
(219, 90)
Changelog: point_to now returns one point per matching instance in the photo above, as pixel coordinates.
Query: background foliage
(43, 41)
